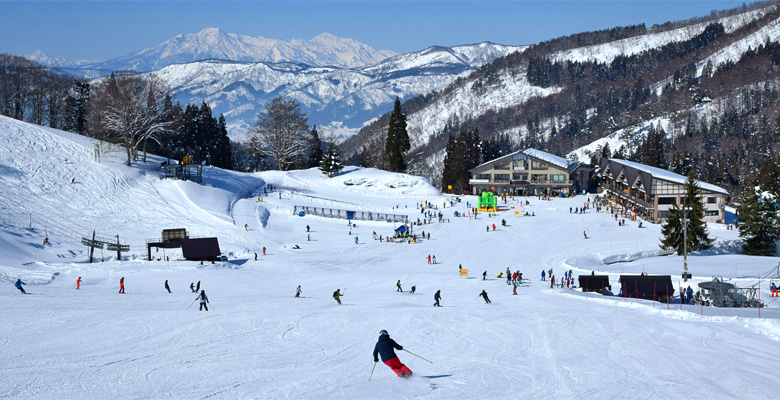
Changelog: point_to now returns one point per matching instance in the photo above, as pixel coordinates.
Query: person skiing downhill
(122, 285)
(485, 296)
(263, 250)
(437, 297)
(337, 295)
(168, 288)
(298, 291)
(78, 283)
(414, 288)
(203, 300)
(398, 284)
(19, 284)
(385, 348)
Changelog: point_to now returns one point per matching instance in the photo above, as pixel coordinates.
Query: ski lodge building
(530, 172)
(652, 191)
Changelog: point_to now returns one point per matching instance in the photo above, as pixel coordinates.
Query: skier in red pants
(384, 347)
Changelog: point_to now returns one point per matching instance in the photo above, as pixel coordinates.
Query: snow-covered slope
(258, 341)
(338, 99)
(214, 43)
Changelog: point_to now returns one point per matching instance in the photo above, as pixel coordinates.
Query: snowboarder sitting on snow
(485, 296)
(19, 284)
(337, 294)
(384, 348)
(203, 300)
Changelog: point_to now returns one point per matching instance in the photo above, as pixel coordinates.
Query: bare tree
(131, 107)
(281, 132)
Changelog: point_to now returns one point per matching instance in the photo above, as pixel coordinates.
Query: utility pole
(685, 210)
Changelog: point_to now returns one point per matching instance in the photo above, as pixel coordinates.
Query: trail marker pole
(679, 287)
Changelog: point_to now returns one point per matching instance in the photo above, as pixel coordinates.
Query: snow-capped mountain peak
(214, 43)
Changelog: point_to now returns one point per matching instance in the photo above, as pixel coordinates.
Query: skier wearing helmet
(384, 347)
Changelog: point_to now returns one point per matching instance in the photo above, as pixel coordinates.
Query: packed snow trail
(259, 341)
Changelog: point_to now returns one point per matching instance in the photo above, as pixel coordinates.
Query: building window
(711, 200)
(501, 177)
(558, 178)
(539, 178)
(483, 176)
(713, 213)
(667, 200)
(519, 177)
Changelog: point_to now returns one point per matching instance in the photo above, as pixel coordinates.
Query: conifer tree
(315, 148)
(397, 139)
(759, 223)
(331, 162)
(672, 229)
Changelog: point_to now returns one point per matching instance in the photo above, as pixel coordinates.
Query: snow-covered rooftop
(670, 176)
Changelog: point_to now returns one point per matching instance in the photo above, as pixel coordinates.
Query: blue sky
(102, 30)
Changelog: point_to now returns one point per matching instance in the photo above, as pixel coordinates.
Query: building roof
(670, 176)
(538, 154)
(550, 158)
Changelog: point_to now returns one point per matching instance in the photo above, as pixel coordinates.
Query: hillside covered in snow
(337, 99)
(257, 340)
(709, 77)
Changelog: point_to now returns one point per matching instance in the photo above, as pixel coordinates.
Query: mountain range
(338, 99)
(341, 83)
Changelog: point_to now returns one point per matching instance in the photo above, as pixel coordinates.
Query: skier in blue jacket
(384, 347)
(19, 284)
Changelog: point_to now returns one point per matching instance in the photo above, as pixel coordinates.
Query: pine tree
(672, 229)
(331, 162)
(397, 139)
(759, 223)
(315, 148)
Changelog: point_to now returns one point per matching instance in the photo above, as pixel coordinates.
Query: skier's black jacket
(384, 347)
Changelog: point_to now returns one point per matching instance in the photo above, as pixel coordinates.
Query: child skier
(384, 348)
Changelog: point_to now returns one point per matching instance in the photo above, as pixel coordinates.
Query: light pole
(685, 275)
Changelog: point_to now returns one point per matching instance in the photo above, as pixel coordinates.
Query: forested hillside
(699, 94)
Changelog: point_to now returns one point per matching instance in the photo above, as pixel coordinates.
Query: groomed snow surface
(258, 341)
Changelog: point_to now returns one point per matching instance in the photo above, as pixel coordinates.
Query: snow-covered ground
(258, 341)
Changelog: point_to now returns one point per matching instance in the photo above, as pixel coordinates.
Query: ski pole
(372, 372)
(417, 356)
(192, 304)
